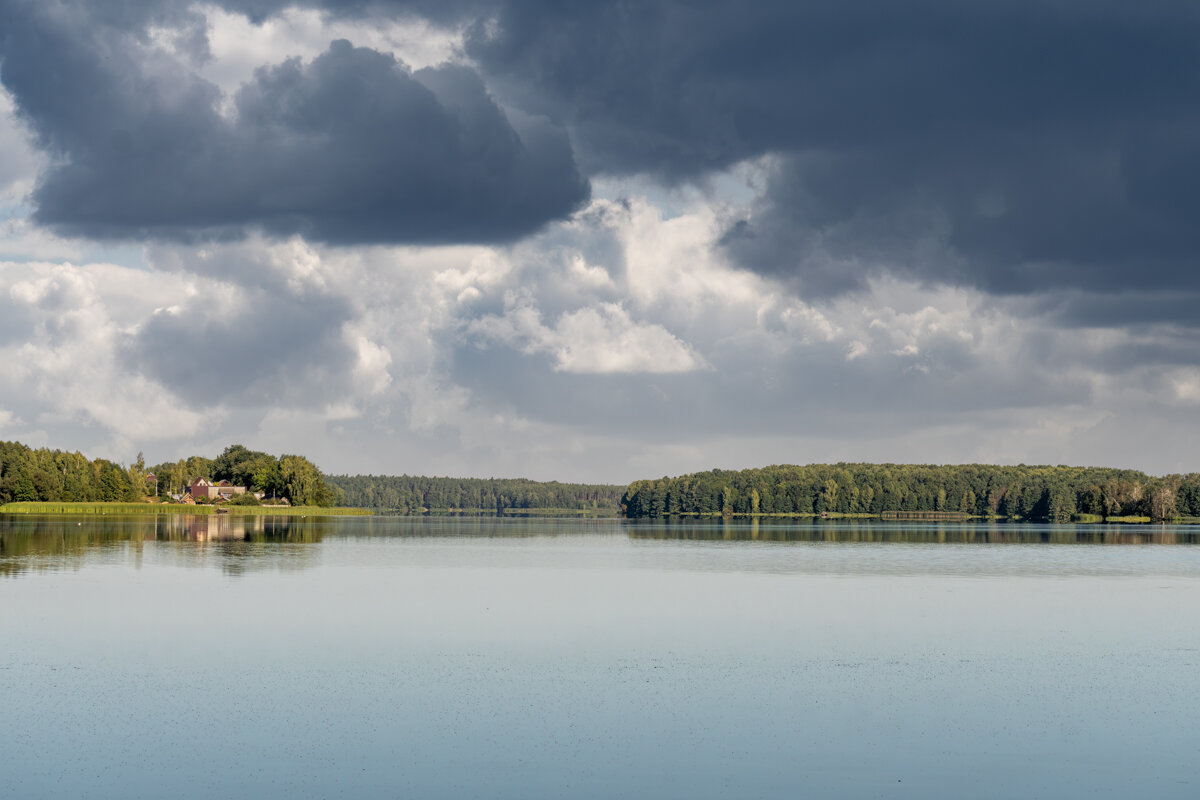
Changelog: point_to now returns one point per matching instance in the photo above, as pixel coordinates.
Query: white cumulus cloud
(600, 340)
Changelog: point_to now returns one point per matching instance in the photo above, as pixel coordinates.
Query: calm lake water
(451, 658)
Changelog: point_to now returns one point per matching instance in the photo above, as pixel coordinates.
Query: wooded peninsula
(1041, 493)
(39, 476)
(54, 476)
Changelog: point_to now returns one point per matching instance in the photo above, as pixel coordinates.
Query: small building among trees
(214, 490)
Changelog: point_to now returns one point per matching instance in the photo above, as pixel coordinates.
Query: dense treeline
(414, 494)
(1023, 492)
(29, 475)
(43, 475)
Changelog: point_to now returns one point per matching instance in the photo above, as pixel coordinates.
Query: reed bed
(104, 508)
(296, 511)
(176, 508)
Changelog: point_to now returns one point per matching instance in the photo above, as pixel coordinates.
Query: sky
(602, 241)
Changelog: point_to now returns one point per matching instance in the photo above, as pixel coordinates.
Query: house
(226, 490)
(214, 490)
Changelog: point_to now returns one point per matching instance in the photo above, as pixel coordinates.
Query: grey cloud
(15, 321)
(1016, 147)
(810, 391)
(1008, 219)
(352, 148)
(1138, 310)
(681, 88)
(284, 351)
(441, 11)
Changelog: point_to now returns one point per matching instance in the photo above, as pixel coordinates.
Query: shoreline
(157, 509)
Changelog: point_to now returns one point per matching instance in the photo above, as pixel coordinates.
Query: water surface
(428, 658)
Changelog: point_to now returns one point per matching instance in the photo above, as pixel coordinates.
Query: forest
(977, 490)
(1015, 492)
(28, 474)
(41, 475)
(414, 494)
(44, 475)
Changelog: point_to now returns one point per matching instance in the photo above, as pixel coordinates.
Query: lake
(394, 657)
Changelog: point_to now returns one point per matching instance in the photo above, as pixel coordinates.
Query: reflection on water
(478, 526)
(237, 543)
(241, 544)
(876, 531)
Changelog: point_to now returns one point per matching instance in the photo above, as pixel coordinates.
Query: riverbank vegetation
(968, 490)
(43, 475)
(69, 483)
(297, 511)
(150, 509)
(416, 495)
(101, 508)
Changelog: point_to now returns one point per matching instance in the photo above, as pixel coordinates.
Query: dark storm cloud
(1016, 146)
(1012, 146)
(1140, 311)
(442, 11)
(351, 148)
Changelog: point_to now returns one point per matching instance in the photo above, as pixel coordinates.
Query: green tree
(114, 483)
(303, 483)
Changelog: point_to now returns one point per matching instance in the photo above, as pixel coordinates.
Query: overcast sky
(599, 241)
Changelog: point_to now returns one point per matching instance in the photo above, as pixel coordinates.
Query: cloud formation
(1015, 147)
(603, 240)
(598, 340)
(352, 147)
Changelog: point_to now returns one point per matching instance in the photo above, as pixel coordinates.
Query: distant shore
(102, 509)
(151, 509)
(1078, 519)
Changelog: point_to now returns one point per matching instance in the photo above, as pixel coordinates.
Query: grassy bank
(296, 511)
(507, 512)
(771, 515)
(125, 509)
(103, 508)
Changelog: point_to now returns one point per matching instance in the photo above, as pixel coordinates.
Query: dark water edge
(913, 532)
(29, 533)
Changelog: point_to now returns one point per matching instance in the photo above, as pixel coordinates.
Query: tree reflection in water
(873, 531)
(241, 544)
(238, 544)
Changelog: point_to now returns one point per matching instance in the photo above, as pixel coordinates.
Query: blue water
(417, 658)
